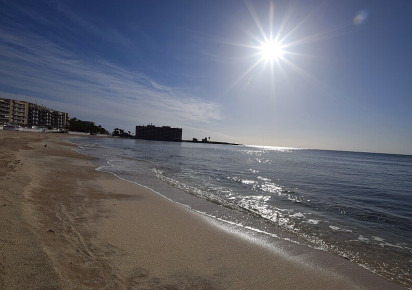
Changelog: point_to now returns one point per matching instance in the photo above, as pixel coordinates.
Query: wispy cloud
(108, 34)
(36, 67)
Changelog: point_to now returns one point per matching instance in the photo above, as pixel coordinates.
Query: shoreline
(90, 229)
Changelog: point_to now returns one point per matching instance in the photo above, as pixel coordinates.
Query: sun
(271, 50)
(275, 45)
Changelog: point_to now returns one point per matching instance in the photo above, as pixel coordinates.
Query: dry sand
(64, 225)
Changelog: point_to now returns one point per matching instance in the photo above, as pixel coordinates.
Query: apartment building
(27, 114)
(165, 133)
(4, 111)
(19, 112)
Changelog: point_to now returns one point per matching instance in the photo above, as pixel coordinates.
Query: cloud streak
(32, 65)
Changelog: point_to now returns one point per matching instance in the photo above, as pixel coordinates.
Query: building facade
(4, 111)
(164, 133)
(25, 114)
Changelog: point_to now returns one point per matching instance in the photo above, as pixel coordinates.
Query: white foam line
(144, 186)
(204, 213)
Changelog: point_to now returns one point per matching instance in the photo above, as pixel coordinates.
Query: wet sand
(64, 225)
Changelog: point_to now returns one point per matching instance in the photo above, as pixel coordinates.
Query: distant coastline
(211, 142)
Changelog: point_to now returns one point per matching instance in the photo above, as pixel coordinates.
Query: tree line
(122, 133)
(86, 126)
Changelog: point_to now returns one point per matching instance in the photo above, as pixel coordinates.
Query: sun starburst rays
(276, 48)
(272, 48)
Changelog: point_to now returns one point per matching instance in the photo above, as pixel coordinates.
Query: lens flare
(360, 17)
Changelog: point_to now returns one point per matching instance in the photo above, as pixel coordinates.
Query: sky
(307, 74)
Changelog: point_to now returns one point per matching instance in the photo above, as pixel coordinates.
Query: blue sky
(341, 79)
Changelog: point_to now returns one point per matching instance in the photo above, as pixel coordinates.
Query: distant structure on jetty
(206, 141)
(25, 114)
(164, 133)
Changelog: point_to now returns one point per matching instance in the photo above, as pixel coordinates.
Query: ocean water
(356, 205)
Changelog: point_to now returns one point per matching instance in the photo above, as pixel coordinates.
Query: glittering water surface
(357, 205)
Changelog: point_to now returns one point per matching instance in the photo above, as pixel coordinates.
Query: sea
(353, 204)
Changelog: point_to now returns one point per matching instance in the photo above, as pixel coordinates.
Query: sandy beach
(65, 225)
